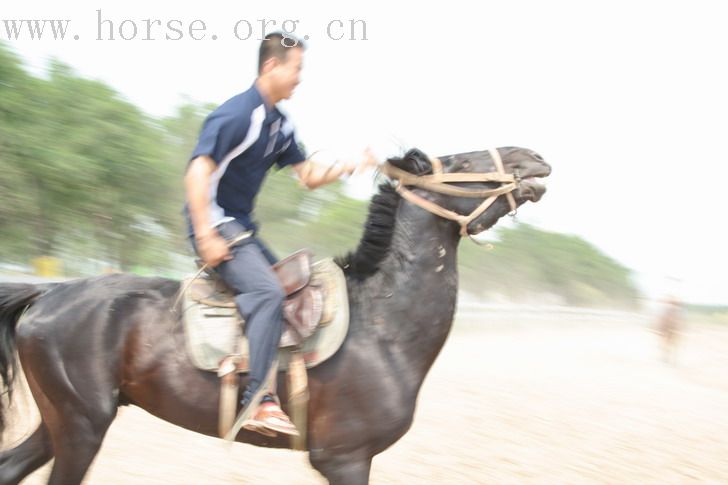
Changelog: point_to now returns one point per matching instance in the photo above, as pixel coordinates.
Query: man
(668, 328)
(239, 142)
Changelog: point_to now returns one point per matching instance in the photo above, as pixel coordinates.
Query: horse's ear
(414, 162)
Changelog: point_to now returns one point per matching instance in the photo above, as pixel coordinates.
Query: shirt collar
(270, 115)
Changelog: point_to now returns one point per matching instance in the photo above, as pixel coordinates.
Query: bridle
(438, 182)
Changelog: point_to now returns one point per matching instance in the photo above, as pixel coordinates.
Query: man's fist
(213, 249)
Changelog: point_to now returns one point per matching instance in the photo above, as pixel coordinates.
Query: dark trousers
(259, 299)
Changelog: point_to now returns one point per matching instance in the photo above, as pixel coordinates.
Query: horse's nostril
(538, 157)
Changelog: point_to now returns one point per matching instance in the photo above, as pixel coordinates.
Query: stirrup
(246, 413)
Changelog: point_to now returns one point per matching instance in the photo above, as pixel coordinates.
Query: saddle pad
(213, 333)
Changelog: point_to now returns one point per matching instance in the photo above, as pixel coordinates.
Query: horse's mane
(378, 230)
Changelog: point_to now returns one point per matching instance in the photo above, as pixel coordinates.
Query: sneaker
(270, 419)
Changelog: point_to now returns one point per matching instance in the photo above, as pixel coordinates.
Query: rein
(438, 182)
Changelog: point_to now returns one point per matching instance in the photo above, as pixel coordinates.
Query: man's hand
(213, 249)
(313, 175)
(363, 163)
(369, 161)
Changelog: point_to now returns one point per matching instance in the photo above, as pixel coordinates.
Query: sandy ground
(536, 403)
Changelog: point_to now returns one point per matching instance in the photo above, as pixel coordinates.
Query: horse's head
(474, 189)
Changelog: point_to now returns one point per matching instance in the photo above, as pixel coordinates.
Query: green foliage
(88, 177)
(84, 168)
(715, 314)
(528, 261)
(325, 220)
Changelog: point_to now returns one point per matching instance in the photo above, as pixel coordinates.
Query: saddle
(316, 314)
(303, 308)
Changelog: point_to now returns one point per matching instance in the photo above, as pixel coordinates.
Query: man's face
(287, 74)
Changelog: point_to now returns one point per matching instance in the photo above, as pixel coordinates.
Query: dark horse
(89, 346)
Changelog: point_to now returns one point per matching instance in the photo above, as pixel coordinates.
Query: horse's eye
(466, 164)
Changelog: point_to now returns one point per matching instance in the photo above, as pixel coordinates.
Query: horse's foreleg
(346, 469)
(31, 454)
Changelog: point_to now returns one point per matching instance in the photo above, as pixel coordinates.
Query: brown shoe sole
(259, 427)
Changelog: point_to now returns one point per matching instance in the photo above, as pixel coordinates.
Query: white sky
(626, 100)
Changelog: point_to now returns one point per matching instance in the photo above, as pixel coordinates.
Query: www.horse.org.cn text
(109, 28)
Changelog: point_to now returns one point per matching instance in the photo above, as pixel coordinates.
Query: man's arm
(210, 246)
(313, 175)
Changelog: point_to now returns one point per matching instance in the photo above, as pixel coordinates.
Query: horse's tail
(14, 299)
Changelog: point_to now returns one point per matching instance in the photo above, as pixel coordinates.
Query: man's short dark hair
(277, 45)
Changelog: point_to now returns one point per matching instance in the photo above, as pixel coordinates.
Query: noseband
(438, 182)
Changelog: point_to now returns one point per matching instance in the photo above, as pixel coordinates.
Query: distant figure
(668, 329)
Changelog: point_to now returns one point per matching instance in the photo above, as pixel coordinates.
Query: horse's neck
(411, 300)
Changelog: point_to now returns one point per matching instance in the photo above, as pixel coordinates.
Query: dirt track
(539, 403)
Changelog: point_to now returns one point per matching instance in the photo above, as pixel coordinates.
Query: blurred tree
(80, 162)
(16, 116)
(87, 176)
(528, 261)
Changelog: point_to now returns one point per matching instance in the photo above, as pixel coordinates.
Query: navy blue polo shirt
(245, 140)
